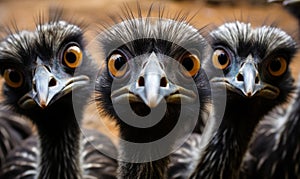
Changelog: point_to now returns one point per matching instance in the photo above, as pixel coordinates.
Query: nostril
(256, 79)
(141, 81)
(240, 77)
(52, 82)
(163, 82)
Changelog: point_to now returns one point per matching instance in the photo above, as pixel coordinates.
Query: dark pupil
(119, 62)
(71, 57)
(222, 59)
(275, 65)
(188, 64)
(14, 77)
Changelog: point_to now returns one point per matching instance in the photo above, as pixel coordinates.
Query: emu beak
(42, 81)
(152, 84)
(248, 83)
(46, 88)
(248, 80)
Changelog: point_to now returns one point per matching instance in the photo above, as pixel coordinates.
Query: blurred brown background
(95, 12)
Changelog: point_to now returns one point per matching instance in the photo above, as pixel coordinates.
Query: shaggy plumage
(274, 151)
(40, 81)
(255, 62)
(13, 130)
(144, 51)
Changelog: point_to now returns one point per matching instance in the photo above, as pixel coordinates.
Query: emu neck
(59, 134)
(148, 170)
(144, 170)
(154, 166)
(223, 155)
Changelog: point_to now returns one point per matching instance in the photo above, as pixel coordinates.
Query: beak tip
(249, 94)
(42, 104)
(152, 103)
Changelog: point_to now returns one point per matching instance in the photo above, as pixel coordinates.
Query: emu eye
(72, 56)
(220, 59)
(191, 64)
(278, 66)
(13, 78)
(117, 64)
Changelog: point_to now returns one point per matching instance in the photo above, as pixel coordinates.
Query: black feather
(222, 157)
(57, 149)
(137, 36)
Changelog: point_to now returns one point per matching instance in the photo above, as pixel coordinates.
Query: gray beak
(248, 80)
(46, 88)
(249, 83)
(152, 84)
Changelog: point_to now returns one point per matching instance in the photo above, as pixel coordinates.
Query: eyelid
(14, 84)
(215, 59)
(281, 70)
(76, 52)
(117, 72)
(195, 66)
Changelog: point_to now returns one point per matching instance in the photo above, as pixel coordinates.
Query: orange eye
(117, 65)
(72, 56)
(278, 66)
(220, 59)
(13, 78)
(191, 63)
